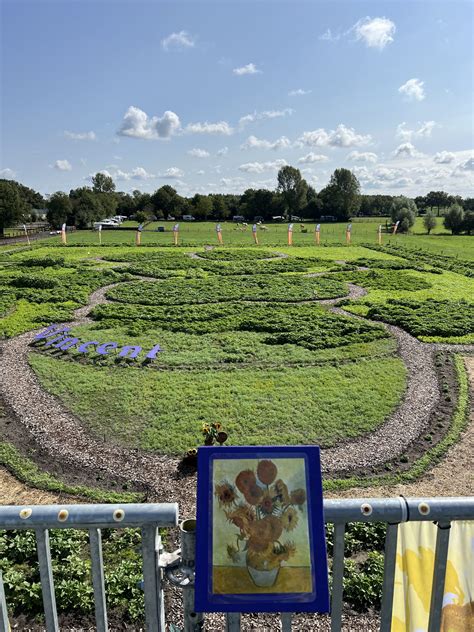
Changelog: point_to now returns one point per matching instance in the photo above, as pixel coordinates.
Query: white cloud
(413, 90)
(261, 167)
(201, 172)
(262, 116)
(312, 157)
(362, 156)
(375, 32)
(249, 69)
(171, 173)
(178, 41)
(139, 173)
(424, 131)
(80, 135)
(444, 157)
(199, 153)
(253, 142)
(328, 36)
(7, 173)
(223, 152)
(406, 150)
(342, 136)
(221, 127)
(298, 93)
(63, 165)
(137, 124)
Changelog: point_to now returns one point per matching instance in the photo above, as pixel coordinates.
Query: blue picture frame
(233, 586)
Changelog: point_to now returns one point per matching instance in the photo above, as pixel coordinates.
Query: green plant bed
(386, 280)
(213, 289)
(163, 411)
(427, 318)
(72, 573)
(309, 325)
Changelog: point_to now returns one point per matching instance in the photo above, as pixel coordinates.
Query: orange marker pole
(290, 234)
(317, 234)
(63, 234)
(395, 227)
(138, 238)
(348, 234)
(176, 234)
(219, 234)
(380, 234)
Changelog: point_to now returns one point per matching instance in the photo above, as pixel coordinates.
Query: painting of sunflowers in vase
(261, 538)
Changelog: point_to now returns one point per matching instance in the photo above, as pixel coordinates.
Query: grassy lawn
(163, 411)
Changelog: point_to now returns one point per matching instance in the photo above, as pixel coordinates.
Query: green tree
(11, 207)
(403, 210)
(468, 223)
(440, 199)
(292, 188)
(59, 208)
(429, 222)
(454, 219)
(86, 207)
(164, 200)
(341, 197)
(102, 183)
(202, 206)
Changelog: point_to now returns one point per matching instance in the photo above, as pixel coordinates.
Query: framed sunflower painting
(260, 530)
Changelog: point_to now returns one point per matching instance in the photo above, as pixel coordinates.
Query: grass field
(202, 233)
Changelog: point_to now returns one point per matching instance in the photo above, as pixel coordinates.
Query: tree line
(340, 200)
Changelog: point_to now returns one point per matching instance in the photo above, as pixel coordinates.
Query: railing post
(95, 539)
(232, 622)
(193, 621)
(337, 577)
(154, 612)
(4, 625)
(390, 558)
(47, 584)
(439, 576)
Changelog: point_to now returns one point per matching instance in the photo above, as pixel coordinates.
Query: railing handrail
(88, 516)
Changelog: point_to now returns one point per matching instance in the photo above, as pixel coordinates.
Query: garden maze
(281, 346)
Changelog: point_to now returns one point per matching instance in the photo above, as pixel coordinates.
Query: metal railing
(178, 567)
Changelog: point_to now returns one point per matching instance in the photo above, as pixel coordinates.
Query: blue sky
(216, 96)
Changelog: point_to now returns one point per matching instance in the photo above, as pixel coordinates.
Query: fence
(178, 567)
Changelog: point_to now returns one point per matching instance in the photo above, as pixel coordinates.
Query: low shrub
(427, 318)
(216, 289)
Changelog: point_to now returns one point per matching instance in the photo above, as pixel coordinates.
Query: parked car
(328, 218)
(238, 218)
(295, 218)
(278, 218)
(188, 218)
(258, 218)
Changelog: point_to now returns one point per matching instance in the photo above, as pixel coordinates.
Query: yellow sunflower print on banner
(414, 574)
